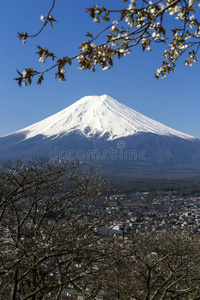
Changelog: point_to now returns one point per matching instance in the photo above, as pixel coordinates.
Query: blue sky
(174, 101)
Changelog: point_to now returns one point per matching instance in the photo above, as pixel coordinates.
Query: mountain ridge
(99, 115)
(100, 130)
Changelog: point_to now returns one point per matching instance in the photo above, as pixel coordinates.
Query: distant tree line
(185, 187)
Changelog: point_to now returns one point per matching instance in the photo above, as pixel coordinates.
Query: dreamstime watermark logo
(119, 153)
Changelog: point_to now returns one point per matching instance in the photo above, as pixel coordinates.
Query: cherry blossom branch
(119, 41)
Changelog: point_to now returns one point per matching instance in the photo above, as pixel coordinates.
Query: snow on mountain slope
(99, 115)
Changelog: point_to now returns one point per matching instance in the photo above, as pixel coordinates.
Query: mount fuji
(100, 130)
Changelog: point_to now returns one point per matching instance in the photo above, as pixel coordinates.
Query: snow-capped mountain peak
(99, 115)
